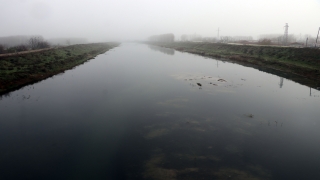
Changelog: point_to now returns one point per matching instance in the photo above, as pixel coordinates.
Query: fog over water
(107, 20)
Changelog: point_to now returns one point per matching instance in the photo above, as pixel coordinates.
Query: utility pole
(307, 42)
(317, 38)
(218, 33)
(285, 37)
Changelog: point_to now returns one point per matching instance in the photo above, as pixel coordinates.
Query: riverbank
(18, 70)
(24, 52)
(298, 64)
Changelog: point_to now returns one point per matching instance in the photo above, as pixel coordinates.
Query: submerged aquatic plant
(249, 115)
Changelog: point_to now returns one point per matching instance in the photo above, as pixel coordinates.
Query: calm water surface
(139, 112)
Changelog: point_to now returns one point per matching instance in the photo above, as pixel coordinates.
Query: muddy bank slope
(298, 64)
(22, 69)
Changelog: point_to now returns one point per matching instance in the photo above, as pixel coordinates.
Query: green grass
(19, 70)
(300, 61)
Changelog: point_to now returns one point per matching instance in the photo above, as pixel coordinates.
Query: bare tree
(225, 39)
(34, 41)
(37, 42)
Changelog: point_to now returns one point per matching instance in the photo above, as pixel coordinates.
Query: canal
(145, 112)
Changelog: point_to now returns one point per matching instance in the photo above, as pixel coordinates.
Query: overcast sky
(101, 20)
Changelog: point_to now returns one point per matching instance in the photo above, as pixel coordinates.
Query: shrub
(265, 42)
(37, 42)
(17, 48)
(43, 44)
(1, 49)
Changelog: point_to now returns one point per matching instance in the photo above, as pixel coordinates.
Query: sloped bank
(22, 69)
(298, 64)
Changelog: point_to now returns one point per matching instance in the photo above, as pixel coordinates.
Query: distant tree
(195, 37)
(184, 37)
(43, 44)
(10, 41)
(265, 42)
(243, 42)
(292, 38)
(21, 48)
(18, 48)
(209, 39)
(225, 39)
(1, 49)
(34, 41)
(162, 38)
(37, 42)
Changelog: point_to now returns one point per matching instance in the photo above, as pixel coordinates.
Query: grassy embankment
(17, 70)
(299, 64)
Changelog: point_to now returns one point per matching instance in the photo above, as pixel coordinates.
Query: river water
(144, 112)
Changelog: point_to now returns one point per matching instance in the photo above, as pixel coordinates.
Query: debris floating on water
(222, 80)
(249, 115)
(199, 84)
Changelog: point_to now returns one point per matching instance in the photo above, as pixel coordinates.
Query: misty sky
(104, 20)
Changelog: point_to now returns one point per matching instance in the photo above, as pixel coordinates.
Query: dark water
(137, 112)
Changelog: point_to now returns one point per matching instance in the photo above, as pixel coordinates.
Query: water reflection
(162, 49)
(314, 93)
(290, 76)
(281, 82)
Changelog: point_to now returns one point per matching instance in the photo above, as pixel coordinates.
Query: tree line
(162, 38)
(33, 43)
